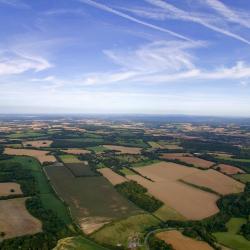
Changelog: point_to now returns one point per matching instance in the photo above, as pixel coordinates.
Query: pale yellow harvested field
(76, 151)
(228, 169)
(10, 188)
(197, 162)
(172, 146)
(216, 181)
(113, 177)
(155, 144)
(166, 171)
(40, 155)
(91, 224)
(124, 150)
(182, 242)
(37, 144)
(188, 201)
(15, 220)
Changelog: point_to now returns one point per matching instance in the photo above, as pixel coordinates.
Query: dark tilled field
(80, 170)
(89, 196)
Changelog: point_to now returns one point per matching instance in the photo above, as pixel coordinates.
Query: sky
(125, 56)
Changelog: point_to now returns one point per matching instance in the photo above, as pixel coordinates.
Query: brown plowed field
(113, 177)
(15, 220)
(76, 151)
(216, 181)
(6, 187)
(189, 201)
(197, 162)
(192, 203)
(228, 169)
(40, 155)
(37, 144)
(181, 242)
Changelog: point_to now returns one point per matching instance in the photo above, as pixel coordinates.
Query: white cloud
(135, 20)
(148, 60)
(109, 77)
(238, 71)
(15, 3)
(163, 62)
(15, 63)
(239, 17)
(187, 16)
(57, 12)
(157, 56)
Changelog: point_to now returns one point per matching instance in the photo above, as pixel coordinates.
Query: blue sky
(125, 56)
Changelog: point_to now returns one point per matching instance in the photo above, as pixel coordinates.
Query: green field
(242, 177)
(127, 171)
(131, 158)
(27, 134)
(69, 159)
(98, 149)
(233, 159)
(231, 238)
(16, 145)
(77, 243)
(166, 213)
(154, 144)
(118, 232)
(144, 163)
(48, 198)
(89, 196)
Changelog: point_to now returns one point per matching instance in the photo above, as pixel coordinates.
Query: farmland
(190, 202)
(215, 181)
(69, 159)
(242, 177)
(231, 238)
(181, 242)
(164, 145)
(40, 155)
(113, 177)
(124, 150)
(166, 176)
(79, 243)
(80, 169)
(10, 188)
(22, 223)
(89, 198)
(189, 159)
(118, 232)
(228, 169)
(112, 184)
(76, 151)
(49, 200)
(37, 143)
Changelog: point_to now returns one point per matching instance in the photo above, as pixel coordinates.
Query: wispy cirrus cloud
(12, 63)
(57, 12)
(157, 56)
(133, 19)
(180, 14)
(239, 71)
(163, 62)
(15, 4)
(149, 59)
(234, 16)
